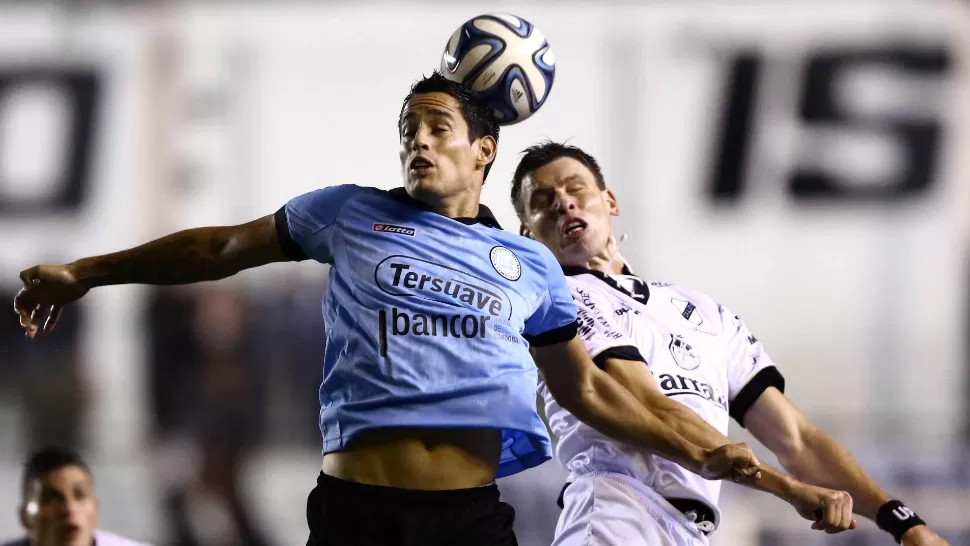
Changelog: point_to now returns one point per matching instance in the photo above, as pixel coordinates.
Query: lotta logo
(683, 353)
(505, 263)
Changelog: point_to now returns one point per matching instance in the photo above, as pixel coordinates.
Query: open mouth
(573, 228)
(420, 165)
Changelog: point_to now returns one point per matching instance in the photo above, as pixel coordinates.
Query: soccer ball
(506, 60)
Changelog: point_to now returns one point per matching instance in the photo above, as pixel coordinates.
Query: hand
(830, 510)
(735, 461)
(921, 535)
(47, 289)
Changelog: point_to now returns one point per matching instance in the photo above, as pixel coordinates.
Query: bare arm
(809, 454)
(192, 255)
(599, 401)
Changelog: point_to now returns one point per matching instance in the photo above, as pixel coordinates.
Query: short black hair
(47, 460)
(543, 153)
(479, 117)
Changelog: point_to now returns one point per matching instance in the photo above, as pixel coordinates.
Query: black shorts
(344, 513)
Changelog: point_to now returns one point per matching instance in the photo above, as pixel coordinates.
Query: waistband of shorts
(348, 488)
(676, 513)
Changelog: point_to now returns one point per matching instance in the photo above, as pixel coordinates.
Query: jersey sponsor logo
(391, 228)
(687, 309)
(413, 277)
(478, 302)
(505, 263)
(674, 385)
(660, 284)
(585, 298)
(683, 353)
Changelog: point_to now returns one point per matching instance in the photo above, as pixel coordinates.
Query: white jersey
(700, 353)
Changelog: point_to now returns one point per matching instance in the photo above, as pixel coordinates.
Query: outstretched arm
(814, 457)
(599, 401)
(193, 255)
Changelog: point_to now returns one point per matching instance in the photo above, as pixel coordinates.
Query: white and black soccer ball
(506, 60)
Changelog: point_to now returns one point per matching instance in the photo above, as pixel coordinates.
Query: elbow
(792, 450)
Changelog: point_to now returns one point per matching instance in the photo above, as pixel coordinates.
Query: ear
(611, 202)
(524, 231)
(487, 148)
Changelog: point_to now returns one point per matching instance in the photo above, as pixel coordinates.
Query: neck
(463, 204)
(602, 260)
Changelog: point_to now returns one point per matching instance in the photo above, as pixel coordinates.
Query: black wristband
(896, 518)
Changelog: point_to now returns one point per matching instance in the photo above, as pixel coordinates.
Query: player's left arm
(809, 454)
(814, 457)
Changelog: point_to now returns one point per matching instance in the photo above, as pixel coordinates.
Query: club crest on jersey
(683, 353)
(505, 263)
(391, 228)
(687, 309)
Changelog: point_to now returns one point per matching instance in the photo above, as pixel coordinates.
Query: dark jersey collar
(640, 293)
(485, 216)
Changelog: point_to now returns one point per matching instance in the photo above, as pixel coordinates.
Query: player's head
(562, 201)
(446, 128)
(58, 506)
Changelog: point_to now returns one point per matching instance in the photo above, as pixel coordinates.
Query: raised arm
(599, 401)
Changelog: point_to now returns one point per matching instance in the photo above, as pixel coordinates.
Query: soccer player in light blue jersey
(428, 391)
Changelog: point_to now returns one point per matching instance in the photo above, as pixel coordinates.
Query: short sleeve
(600, 334)
(750, 370)
(305, 225)
(554, 321)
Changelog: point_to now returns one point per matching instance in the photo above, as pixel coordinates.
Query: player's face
(566, 211)
(436, 155)
(60, 509)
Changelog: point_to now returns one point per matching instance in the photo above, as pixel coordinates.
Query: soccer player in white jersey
(700, 355)
(59, 507)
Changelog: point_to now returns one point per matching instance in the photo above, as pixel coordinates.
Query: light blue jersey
(428, 318)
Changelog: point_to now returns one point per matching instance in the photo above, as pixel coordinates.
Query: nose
(421, 138)
(564, 202)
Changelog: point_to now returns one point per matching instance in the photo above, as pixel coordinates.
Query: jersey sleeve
(554, 321)
(750, 370)
(600, 334)
(305, 224)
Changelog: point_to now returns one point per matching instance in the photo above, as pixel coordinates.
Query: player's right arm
(599, 401)
(295, 232)
(596, 399)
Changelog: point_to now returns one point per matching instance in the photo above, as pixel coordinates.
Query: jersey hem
(562, 334)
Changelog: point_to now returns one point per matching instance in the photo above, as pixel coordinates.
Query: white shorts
(605, 509)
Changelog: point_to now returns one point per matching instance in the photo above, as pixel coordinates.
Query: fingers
(835, 515)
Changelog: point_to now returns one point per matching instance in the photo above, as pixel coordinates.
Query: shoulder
(336, 196)
(23, 541)
(107, 538)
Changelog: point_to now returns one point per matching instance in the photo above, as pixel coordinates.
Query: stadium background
(804, 162)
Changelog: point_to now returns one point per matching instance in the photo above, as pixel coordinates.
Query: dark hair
(541, 154)
(46, 460)
(478, 115)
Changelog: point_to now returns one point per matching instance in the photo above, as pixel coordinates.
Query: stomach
(419, 458)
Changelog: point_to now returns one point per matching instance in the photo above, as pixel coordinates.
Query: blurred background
(804, 162)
